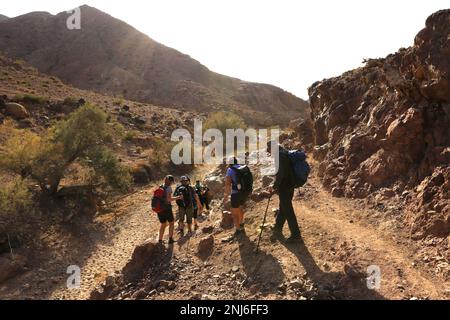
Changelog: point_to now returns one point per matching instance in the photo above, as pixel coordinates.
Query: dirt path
(326, 220)
(342, 238)
(134, 223)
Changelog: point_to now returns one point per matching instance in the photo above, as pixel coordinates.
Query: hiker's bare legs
(195, 224)
(241, 216)
(189, 227)
(236, 214)
(171, 229)
(181, 226)
(162, 229)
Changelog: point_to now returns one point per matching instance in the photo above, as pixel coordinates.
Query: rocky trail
(342, 238)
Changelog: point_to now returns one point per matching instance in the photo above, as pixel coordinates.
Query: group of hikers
(191, 200)
(293, 171)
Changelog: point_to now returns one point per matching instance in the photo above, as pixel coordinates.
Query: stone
(140, 294)
(227, 220)
(170, 285)
(16, 110)
(208, 229)
(216, 186)
(206, 246)
(142, 257)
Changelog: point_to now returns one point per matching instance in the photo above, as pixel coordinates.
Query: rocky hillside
(111, 57)
(2, 17)
(384, 128)
(45, 99)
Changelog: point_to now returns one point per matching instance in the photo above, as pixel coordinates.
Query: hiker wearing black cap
(185, 202)
(284, 186)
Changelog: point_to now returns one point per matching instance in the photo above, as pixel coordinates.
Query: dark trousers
(204, 201)
(287, 213)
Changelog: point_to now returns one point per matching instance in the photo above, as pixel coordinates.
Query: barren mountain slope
(109, 56)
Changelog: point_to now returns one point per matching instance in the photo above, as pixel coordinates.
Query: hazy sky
(288, 43)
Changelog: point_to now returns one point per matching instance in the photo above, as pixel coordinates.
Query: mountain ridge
(110, 56)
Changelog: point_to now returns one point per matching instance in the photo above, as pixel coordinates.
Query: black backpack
(186, 191)
(245, 180)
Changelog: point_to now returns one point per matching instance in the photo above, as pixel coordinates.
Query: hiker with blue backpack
(293, 171)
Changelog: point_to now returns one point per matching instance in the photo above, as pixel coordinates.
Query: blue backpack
(300, 167)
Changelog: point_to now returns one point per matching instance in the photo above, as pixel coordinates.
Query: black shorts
(237, 200)
(166, 216)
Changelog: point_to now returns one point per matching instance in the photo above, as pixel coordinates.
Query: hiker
(165, 215)
(202, 192)
(197, 209)
(284, 186)
(185, 202)
(240, 188)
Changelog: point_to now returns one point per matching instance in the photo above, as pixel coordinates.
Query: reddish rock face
(386, 125)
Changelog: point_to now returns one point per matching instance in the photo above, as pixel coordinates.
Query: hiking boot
(238, 232)
(276, 236)
(196, 227)
(294, 239)
(171, 241)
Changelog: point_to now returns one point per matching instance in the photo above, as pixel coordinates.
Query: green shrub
(29, 98)
(81, 138)
(14, 198)
(70, 101)
(223, 120)
(161, 152)
(131, 134)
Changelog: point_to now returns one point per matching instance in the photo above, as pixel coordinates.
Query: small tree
(81, 138)
(222, 121)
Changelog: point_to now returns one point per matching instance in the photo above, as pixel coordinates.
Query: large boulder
(216, 185)
(205, 246)
(16, 110)
(141, 258)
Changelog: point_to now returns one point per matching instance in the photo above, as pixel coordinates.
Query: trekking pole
(264, 222)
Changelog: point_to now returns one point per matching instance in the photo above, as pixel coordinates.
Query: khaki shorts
(185, 212)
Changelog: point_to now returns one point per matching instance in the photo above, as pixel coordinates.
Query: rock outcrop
(386, 126)
(16, 110)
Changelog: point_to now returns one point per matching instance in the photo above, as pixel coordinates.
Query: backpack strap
(234, 185)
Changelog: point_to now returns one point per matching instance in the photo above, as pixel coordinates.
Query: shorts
(237, 200)
(166, 216)
(185, 212)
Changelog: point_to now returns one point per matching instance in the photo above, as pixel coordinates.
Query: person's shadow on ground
(332, 285)
(263, 270)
